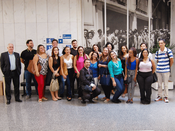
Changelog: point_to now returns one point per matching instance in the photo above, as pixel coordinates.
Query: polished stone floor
(74, 116)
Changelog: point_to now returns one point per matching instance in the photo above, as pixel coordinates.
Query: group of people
(66, 65)
(119, 38)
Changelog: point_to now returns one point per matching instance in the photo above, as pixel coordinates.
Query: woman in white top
(145, 78)
(67, 72)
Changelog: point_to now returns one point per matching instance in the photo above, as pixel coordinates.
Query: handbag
(154, 77)
(31, 68)
(105, 79)
(54, 84)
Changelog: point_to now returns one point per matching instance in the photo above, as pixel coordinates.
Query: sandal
(69, 98)
(54, 99)
(40, 100)
(44, 98)
(58, 98)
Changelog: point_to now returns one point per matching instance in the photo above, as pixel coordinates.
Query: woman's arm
(51, 64)
(35, 61)
(126, 69)
(75, 65)
(137, 62)
(62, 64)
(110, 68)
(154, 66)
(90, 54)
(87, 56)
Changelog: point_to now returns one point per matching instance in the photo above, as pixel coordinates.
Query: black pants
(145, 80)
(78, 86)
(15, 77)
(91, 95)
(107, 90)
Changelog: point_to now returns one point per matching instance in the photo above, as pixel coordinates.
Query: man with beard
(26, 56)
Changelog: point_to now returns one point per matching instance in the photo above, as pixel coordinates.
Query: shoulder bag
(31, 68)
(54, 85)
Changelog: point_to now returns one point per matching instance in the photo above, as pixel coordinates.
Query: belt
(12, 70)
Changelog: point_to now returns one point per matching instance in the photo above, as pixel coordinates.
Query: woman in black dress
(123, 55)
(54, 66)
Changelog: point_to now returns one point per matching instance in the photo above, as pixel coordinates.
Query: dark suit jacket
(5, 63)
(86, 79)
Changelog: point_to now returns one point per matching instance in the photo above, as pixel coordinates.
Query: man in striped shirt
(164, 57)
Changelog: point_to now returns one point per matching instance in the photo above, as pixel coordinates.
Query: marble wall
(37, 20)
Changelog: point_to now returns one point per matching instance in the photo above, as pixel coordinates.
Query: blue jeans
(69, 83)
(29, 76)
(119, 86)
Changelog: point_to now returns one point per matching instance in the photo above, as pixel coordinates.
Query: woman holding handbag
(131, 67)
(103, 71)
(78, 65)
(42, 58)
(67, 71)
(123, 55)
(116, 73)
(53, 73)
(145, 76)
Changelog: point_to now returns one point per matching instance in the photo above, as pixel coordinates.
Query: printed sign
(66, 36)
(60, 41)
(48, 47)
(49, 40)
(68, 46)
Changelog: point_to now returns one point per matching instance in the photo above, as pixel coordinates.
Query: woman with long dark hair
(145, 78)
(94, 67)
(116, 70)
(78, 65)
(103, 68)
(131, 73)
(123, 55)
(54, 68)
(67, 71)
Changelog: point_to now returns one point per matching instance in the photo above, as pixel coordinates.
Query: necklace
(116, 64)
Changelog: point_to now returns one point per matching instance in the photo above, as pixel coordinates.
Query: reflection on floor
(74, 116)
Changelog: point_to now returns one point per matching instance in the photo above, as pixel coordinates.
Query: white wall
(37, 20)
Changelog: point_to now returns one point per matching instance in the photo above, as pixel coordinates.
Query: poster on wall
(116, 18)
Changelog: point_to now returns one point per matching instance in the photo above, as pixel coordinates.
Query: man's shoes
(18, 100)
(8, 102)
(166, 100)
(116, 101)
(83, 102)
(158, 98)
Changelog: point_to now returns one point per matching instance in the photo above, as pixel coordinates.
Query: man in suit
(11, 68)
(87, 83)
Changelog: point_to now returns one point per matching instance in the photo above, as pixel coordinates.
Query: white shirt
(49, 52)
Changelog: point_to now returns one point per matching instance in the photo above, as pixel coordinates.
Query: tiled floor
(74, 116)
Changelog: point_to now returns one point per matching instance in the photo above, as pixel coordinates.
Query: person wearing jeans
(115, 70)
(131, 72)
(26, 56)
(67, 72)
(164, 57)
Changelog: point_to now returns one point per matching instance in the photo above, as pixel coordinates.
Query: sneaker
(158, 98)
(166, 100)
(28, 97)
